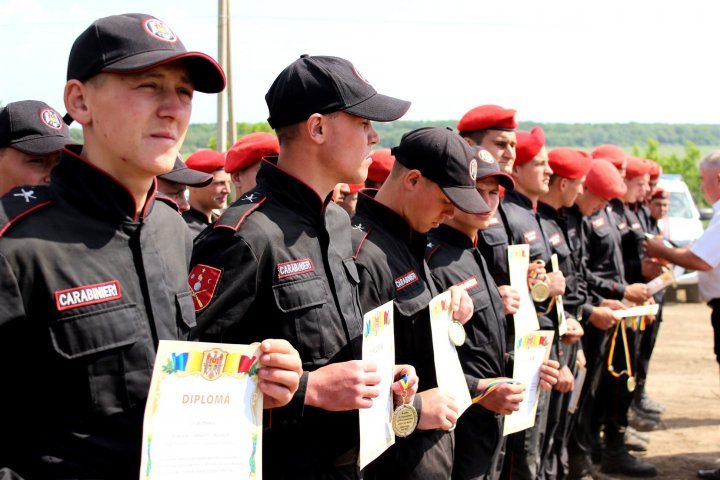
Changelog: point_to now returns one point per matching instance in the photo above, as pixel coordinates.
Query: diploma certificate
(203, 417)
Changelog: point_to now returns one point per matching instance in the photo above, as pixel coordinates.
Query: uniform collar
(197, 215)
(550, 211)
(447, 234)
(370, 208)
(513, 196)
(289, 190)
(93, 190)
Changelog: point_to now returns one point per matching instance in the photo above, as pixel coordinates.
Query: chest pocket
(479, 330)
(600, 229)
(104, 346)
(304, 300)
(562, 249)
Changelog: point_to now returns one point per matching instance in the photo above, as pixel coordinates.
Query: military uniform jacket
(390, 257)
(87, 288)
(633, 236)
(196, 221)
(563, 236)
(603, 256)
(278, 264)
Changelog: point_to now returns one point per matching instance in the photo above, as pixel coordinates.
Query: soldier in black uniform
(518, 220)
(279, 263)
(434, 173)
(569, 170)
(206, 200)
(636, 270)
(454, 260)
(31, 137)
(172, 186)
(493, 128)
(94, 271)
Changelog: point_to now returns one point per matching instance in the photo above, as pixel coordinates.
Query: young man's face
(175, 191)
(215, 195)
(19, 168)
(501, 145)
(534, 176)
(659, 208)
(637, 188)
(427, 206)
(489, 189)
(589, 203)
(572, 188)
(349, 142)
(138, 121)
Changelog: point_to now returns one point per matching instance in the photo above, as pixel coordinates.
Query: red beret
(206, 160)
(612, 154)
(249, 150)
(382, 162)
(655, 170)
(660, 193)
(604, 180)
(529, 144)
(568, 163)
(487, 117)
(636, 167)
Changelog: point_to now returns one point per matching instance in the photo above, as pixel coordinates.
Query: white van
(681, 226)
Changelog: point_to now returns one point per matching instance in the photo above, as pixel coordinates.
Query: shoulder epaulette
(20, 202)
(236, 214)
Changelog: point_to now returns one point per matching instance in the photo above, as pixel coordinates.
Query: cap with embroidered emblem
(443, 157)
(322, 84)
(33, 127)
(135, 42)
(488, 167)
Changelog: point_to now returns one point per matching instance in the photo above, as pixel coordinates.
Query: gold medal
(540, 291)
(631, 384)
(456, 332)
(404, 420)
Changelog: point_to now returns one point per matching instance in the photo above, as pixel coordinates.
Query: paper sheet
(518, 261)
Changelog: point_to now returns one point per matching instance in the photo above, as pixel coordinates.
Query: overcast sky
(552, 60)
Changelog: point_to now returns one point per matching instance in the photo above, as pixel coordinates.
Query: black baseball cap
(135, 42)
(32, 127)
(443, 157)
(488, 167)
(187, 176)
(319, 84)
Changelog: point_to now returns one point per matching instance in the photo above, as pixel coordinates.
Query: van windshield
(680, 206)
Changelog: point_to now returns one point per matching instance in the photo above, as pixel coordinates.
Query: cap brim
(189, 177)
(380, 108)
(466, 199)
(503, 179)
(41, 145)
(207, 76)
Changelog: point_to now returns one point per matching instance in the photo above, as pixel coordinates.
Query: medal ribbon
(492, 386)
(619, 326)
(404, 382)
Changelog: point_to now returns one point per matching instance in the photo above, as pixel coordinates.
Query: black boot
(618, 460)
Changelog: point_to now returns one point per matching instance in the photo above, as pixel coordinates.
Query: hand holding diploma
(280, 372)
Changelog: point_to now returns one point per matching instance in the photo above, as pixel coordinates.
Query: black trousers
(715, 319)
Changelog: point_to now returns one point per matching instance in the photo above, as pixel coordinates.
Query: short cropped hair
(711, 161)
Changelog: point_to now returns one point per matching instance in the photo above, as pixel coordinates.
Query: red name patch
(598, 222)
(555, 240)
(530, 236)
(468, 284)
(87, 295)
(494, 221)
(203, 281)
(407, 279)
(295, 267)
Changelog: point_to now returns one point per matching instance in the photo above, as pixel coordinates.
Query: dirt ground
(684, 377)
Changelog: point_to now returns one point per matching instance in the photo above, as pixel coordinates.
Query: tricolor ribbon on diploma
(192, 362)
